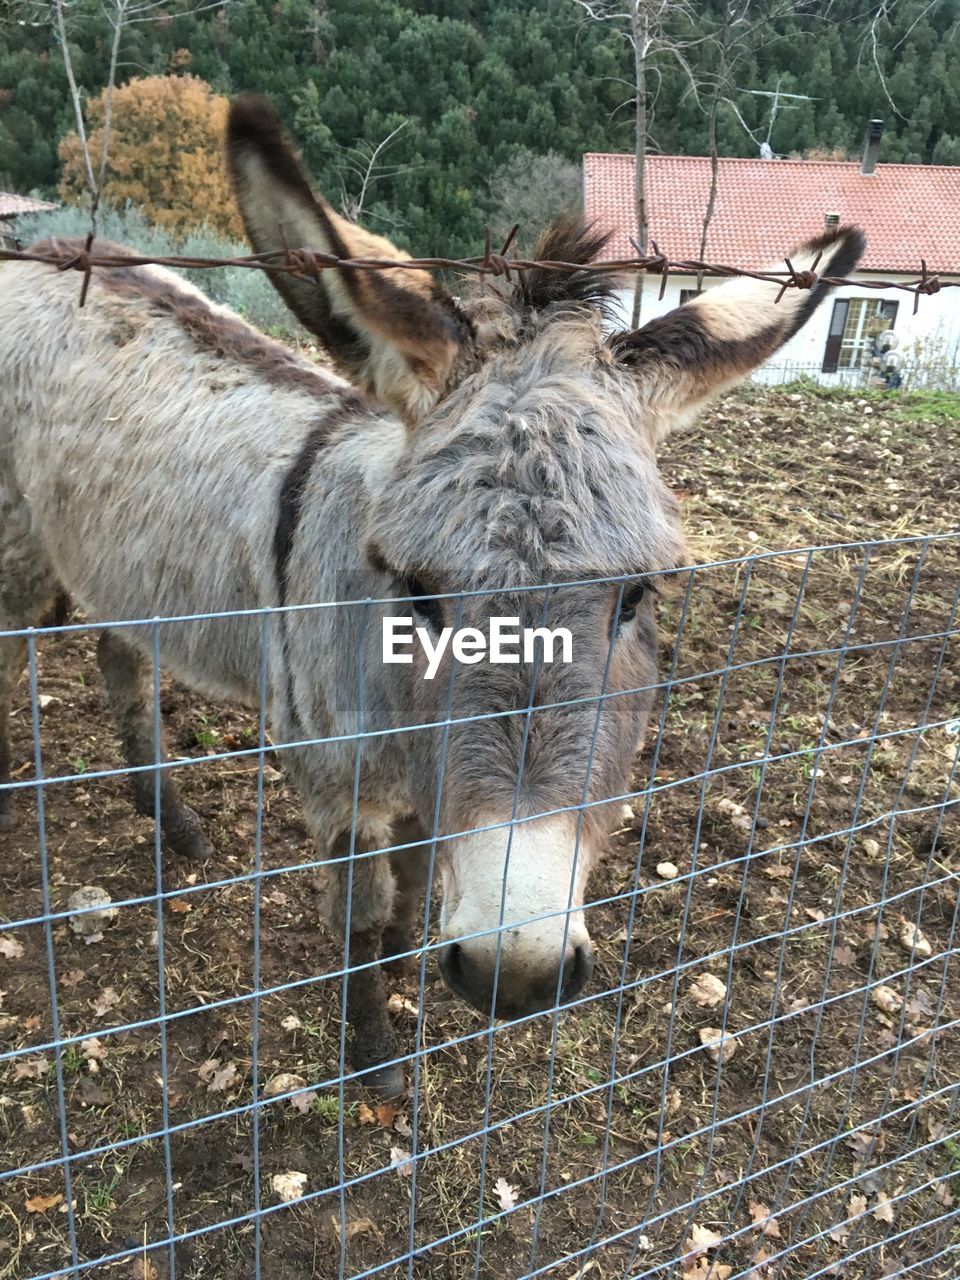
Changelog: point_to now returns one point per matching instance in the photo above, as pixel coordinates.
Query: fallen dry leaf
(942, 1194)
(403, 1126)
(913, 940)
(844, 955)
(365, 1114)
(710, 1038)
(385, 1113)
(760, 1213)
(93, 1051)
(857, 1206)
(883, 1210)
(759, 1267)
(708, 991)
(284, 1082)
(865, 1144)
(778, 872)
(218, 1078)
(105, 1001)
(10, 948)
(180, 906)
(289, 1186)
(358, 1227)
(400, 1004)
(736, 813)
(401, 1160)
(72, 978)
(30, 1069)
(507, 1196)
(288, 1082)
(142, 1268)
(704, 1269)
(886, 999)
(40, 1204)
(701, 1239)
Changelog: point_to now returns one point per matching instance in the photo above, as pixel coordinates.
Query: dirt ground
(826, 1131)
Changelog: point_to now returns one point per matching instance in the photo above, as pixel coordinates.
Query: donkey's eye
(632, 595)
(429, 610)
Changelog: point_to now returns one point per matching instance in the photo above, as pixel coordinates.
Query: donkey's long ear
(710, 343)
(394, 332)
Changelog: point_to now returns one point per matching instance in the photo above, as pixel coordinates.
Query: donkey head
(529, 460)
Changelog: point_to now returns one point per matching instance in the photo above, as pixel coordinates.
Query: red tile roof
(12, 206)
(763, 207)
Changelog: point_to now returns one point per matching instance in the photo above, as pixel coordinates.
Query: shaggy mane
(570, 238)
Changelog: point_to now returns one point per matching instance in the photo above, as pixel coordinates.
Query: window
(852, 330)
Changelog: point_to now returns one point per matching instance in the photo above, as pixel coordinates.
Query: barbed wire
(313, 262)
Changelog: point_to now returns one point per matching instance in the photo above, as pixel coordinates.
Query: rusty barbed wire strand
(313, 262)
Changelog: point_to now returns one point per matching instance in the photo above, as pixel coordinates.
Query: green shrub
(248, 292)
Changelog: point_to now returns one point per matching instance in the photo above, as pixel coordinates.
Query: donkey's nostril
(522, 986)
(452, 957)
(451, 966)
(576, 972)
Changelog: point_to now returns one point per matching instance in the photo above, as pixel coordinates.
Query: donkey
(159, 457)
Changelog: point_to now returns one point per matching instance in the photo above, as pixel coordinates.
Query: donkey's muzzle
(510, 985)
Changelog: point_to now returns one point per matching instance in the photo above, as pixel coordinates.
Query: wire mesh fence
(916, 375)
(759, 1078)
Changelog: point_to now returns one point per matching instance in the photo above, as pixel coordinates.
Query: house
(13, 207)
(763, 207)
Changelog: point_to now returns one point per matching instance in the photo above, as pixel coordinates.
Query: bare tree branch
(61, 29)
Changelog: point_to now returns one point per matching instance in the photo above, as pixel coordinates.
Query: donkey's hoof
(186, 838)
(386, 1082)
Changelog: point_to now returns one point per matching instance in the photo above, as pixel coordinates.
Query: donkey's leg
(128, 691)
(372, 894)
(13, 657)
(410, 867)
(28, 586)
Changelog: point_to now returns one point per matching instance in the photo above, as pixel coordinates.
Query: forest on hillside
(491, 103)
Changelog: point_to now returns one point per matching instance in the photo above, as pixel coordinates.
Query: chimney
(871, 148)
(831, 221)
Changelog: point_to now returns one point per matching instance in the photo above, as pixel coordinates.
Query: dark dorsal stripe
(294, 484)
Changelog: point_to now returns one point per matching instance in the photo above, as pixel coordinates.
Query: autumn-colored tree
(165, 154)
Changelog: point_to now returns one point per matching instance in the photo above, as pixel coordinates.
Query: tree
(655, 30)
(165, 153)
(516, 76)
(530, 190)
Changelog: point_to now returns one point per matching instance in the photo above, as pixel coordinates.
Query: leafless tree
(744, 28)
(530, 189)
(363, 163)
(658, 32)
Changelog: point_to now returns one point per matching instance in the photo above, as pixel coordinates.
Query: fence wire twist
(760, 1080)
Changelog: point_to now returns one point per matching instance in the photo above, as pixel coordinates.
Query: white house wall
(929, 339)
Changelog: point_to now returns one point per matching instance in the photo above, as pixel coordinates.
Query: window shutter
(831, 352)
(889, 311)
